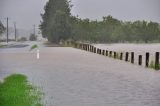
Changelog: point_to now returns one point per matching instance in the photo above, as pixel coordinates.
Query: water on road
(72, 77)
(138, 49)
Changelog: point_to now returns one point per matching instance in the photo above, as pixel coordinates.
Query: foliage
(16, 91)
(153, 65)
(2, 46)
(56, 21)
(113, 30)
(22, 39)
(32, 37)
(58, 24)
(33, 47)
(2, 28)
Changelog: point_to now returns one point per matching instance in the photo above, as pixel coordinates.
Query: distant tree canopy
(58, 24)
(112, 30)
(2, 28)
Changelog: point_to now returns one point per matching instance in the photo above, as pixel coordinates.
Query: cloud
(27, 12)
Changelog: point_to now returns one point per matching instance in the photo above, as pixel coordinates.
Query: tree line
(58, 24)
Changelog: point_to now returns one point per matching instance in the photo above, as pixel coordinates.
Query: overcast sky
(26, 13)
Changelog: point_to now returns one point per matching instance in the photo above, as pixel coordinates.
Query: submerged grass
(16, 91)
(153, 65)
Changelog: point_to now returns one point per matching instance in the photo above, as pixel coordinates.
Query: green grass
(33, 47)
(152, 65)
(16, 91)
(2, 46)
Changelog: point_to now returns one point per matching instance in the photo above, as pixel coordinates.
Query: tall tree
(55, 23)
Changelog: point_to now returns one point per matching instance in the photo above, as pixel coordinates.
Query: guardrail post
(147, 59)
(126, 58)
(99, 51)
(132, 57)
(94, 49)
(87, 47)
(106, 52)
(91, 49)
(140, 59)
(157, 65)
(110, 53)
(115, 54)
(103, 52)
(121, 56)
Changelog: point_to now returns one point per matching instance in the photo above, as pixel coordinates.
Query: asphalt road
(72, 77)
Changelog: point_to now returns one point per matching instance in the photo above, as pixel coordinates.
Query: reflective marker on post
(37, 54)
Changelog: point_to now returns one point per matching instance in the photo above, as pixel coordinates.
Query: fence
(119, 55)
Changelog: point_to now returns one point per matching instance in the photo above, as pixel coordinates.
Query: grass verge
(2, 46)
(16, 91)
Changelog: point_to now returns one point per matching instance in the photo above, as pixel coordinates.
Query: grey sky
(121, 9)
(27, 12)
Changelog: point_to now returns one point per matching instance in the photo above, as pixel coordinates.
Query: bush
(23, 39)
(32, 37)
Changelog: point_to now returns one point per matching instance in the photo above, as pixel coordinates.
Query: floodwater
(72, 77)
(138, 49)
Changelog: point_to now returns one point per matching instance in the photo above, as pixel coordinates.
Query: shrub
(23, 39)
(32, 37)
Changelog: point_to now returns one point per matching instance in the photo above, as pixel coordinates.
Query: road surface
(72, 77)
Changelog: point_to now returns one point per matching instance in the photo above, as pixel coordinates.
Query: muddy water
(72, 77)
(138, 49)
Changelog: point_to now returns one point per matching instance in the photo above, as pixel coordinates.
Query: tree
(58, 24)
(33, 37)
(2, 28)
(55, 25)
(153, 31)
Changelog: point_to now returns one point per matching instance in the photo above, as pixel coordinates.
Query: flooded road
(138, 49)
(72, 77)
